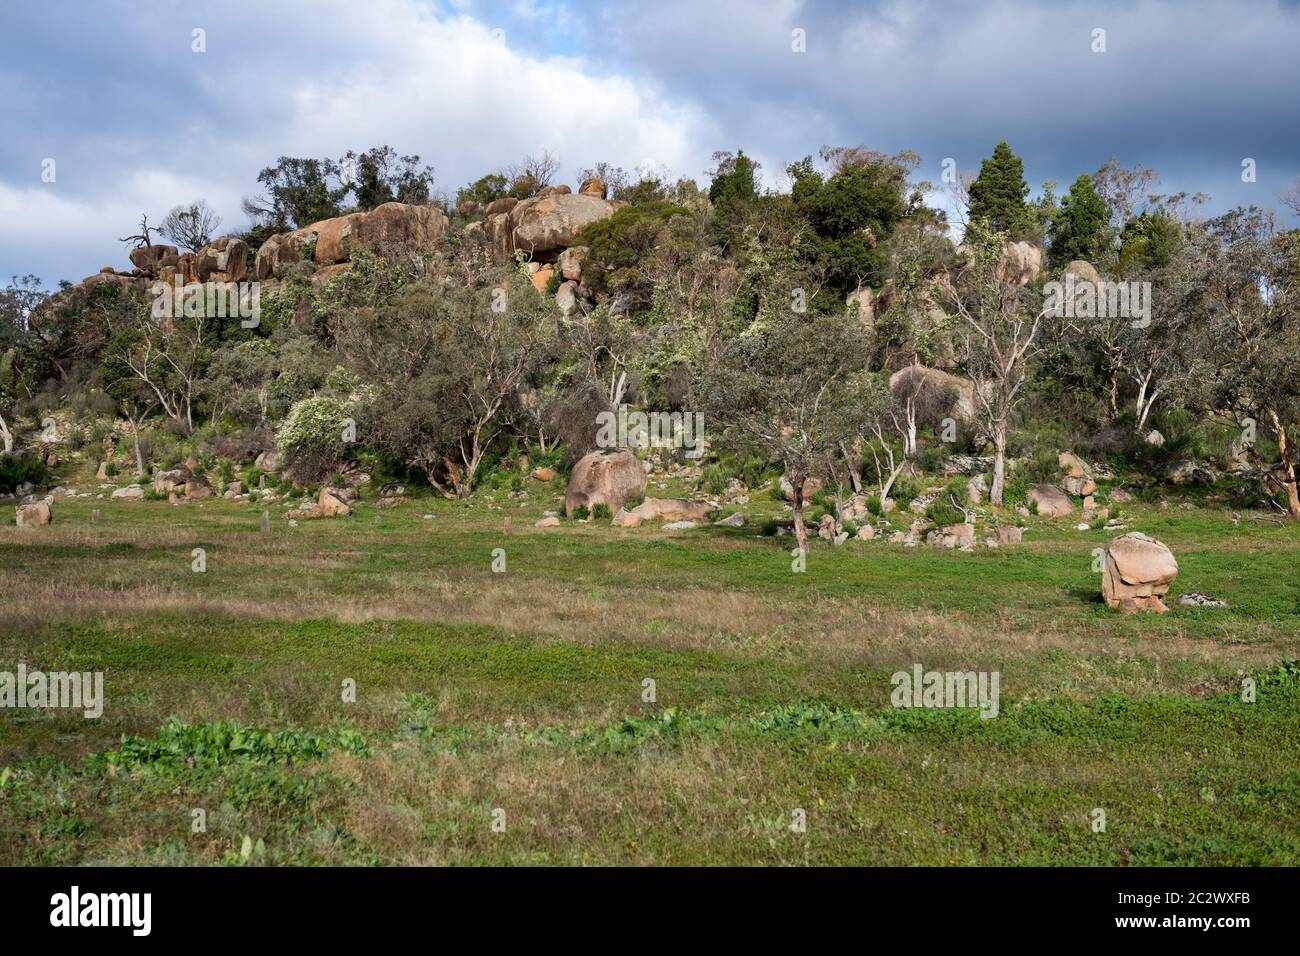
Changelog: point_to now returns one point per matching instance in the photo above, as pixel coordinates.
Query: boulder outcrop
(1052, 502)
(608, 477)
(412, 228)
(542, 227)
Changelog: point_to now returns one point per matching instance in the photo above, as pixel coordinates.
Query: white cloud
(354, 76)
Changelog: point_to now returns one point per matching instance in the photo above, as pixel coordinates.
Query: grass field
(481, 692)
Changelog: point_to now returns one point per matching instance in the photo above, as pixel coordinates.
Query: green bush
(1015, 490)
(769, 528)
(905, 489)
(1042, 468)
(715, 478)
(15, 471)
(312, 438)
(941, 510)
(600, 511)
(581, 513)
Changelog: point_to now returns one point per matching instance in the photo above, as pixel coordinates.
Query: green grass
(524, 693)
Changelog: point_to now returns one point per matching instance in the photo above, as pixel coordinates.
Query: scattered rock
(1189, 473)
(1079, 486)
(810, 487)
(333, 502)
(1073, 465)
(1051, 502)
(679, 526)
(571, 261)
(863, 300)
(969, 465)
(736, 520)
(949, 396)
(1136, 572)
(548, 522)
(1010, 534)
(33, 515)
(544, 474)
(129, 493)
(197, 488)
(952, 536)
(1197, 599)
(164, 482)
(566, 297)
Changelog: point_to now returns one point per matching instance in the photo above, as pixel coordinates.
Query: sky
(110, 109)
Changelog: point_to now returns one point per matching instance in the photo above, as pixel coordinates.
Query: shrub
(715, 479)
(905, 489)
(580, 513)
(932, 457)
(15, 471)
(769, 528)
(312, 438)
(600, 511)
(1042, 468)
(941, 510)
(1015, 491)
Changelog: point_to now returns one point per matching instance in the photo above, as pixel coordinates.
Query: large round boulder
(608, 477)
(936, 394)
(547, 225)
(33, 515)
(1136, 573)
(1051, 501)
